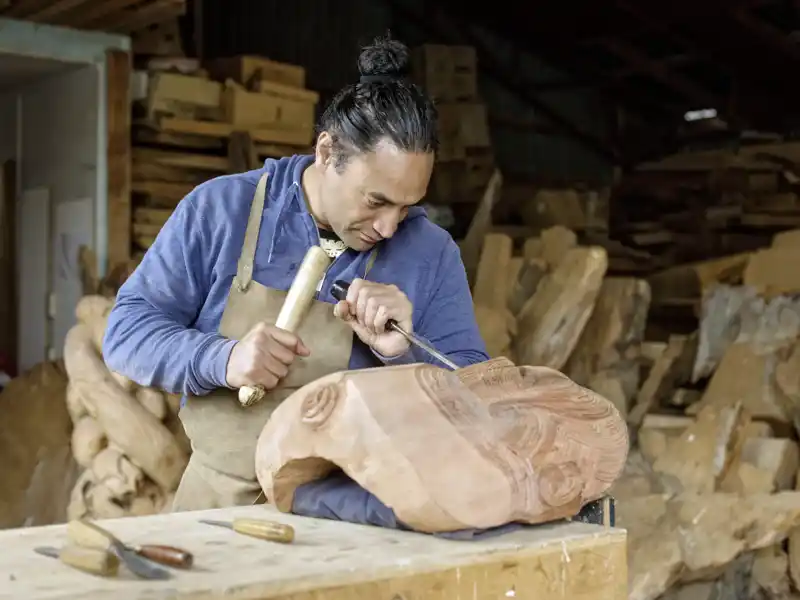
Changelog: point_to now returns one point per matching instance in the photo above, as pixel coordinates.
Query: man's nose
(387, 225)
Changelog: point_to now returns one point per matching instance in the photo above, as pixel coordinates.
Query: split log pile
(711, 496)
(127, 438)
(549, 301)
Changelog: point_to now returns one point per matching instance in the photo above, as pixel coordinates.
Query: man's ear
(324, 151)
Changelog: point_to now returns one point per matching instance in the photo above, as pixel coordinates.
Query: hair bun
(384, 57)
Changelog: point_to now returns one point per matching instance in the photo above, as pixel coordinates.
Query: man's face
(367, 200)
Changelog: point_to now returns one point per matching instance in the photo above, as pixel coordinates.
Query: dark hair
(383, 104)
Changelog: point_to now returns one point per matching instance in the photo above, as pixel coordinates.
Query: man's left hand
(368, 307)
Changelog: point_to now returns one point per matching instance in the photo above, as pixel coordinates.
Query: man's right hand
(263, 357)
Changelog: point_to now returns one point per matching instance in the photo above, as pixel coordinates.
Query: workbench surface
(330, 560)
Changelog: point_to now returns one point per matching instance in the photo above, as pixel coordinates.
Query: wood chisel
(88, 560)
(89, 535)
(258, 528)
(339, 291)
(295, 306)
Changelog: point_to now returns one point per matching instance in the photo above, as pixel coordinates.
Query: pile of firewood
(708, 497)
(127, 438)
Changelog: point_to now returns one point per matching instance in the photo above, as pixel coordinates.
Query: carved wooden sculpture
(476, 448)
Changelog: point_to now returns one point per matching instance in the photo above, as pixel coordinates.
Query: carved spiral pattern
(318, 407)
(560, 484)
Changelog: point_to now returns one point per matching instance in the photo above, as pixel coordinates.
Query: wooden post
(118, 76)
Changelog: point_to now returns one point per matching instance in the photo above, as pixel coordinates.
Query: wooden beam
(99, 10)
(513, 82)
(607, 80)
(118, 148)
(21, 8)
(663, 74)
(156, 11)
(51, 13)
(769, 34)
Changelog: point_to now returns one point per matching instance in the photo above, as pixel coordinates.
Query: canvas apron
(223, 434)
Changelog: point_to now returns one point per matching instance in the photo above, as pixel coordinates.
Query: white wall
(62, 171)
(58, 171)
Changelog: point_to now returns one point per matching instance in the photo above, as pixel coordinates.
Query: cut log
(748, 377)
(552, 321)
(671, 369)
(610, 345)
(701, 457)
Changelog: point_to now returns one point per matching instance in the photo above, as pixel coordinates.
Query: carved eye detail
(318, 407)
(560, 484)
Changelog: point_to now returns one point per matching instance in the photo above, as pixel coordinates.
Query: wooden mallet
(294, 309)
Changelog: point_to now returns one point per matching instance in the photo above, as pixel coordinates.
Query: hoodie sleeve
(149, 337)
(448, 321)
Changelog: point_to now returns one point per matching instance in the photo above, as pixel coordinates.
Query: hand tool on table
(258, 528)
(339, 291)
(90, 535)
(88, 560)
(295, 306)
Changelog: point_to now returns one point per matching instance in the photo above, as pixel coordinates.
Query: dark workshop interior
(622, 180)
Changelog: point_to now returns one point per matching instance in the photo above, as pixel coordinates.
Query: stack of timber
(699, 205)
(193, 124)
(465, 159)
(688, 207)
(709, 495)
(121, 16)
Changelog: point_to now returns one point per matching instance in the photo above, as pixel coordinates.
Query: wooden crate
(448, 73)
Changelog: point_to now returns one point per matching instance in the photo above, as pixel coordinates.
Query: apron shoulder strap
(244, 270)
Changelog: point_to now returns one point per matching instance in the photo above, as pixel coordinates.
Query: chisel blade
(47, 551)
(217, 523)
(339, 292)
(423, 346)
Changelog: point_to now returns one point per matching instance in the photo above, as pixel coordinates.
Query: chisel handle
(89, 535)
(264, 530)
(294, 309)
(90, 560)
(166, 555)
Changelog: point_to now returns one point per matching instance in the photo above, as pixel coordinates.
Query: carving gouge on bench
(339, 291)
(258, 528)
(88, 560)
(89, 535)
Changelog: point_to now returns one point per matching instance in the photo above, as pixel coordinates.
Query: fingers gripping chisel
(339, 291)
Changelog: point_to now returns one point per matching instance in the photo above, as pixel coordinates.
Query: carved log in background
(126, 437)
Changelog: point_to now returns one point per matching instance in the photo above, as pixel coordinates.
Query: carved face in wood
(475, 448)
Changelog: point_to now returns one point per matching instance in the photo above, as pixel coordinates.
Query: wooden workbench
(330, 561)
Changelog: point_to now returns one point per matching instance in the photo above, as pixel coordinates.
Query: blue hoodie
(163, 329)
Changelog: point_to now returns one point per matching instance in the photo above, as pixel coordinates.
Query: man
(196, 317)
